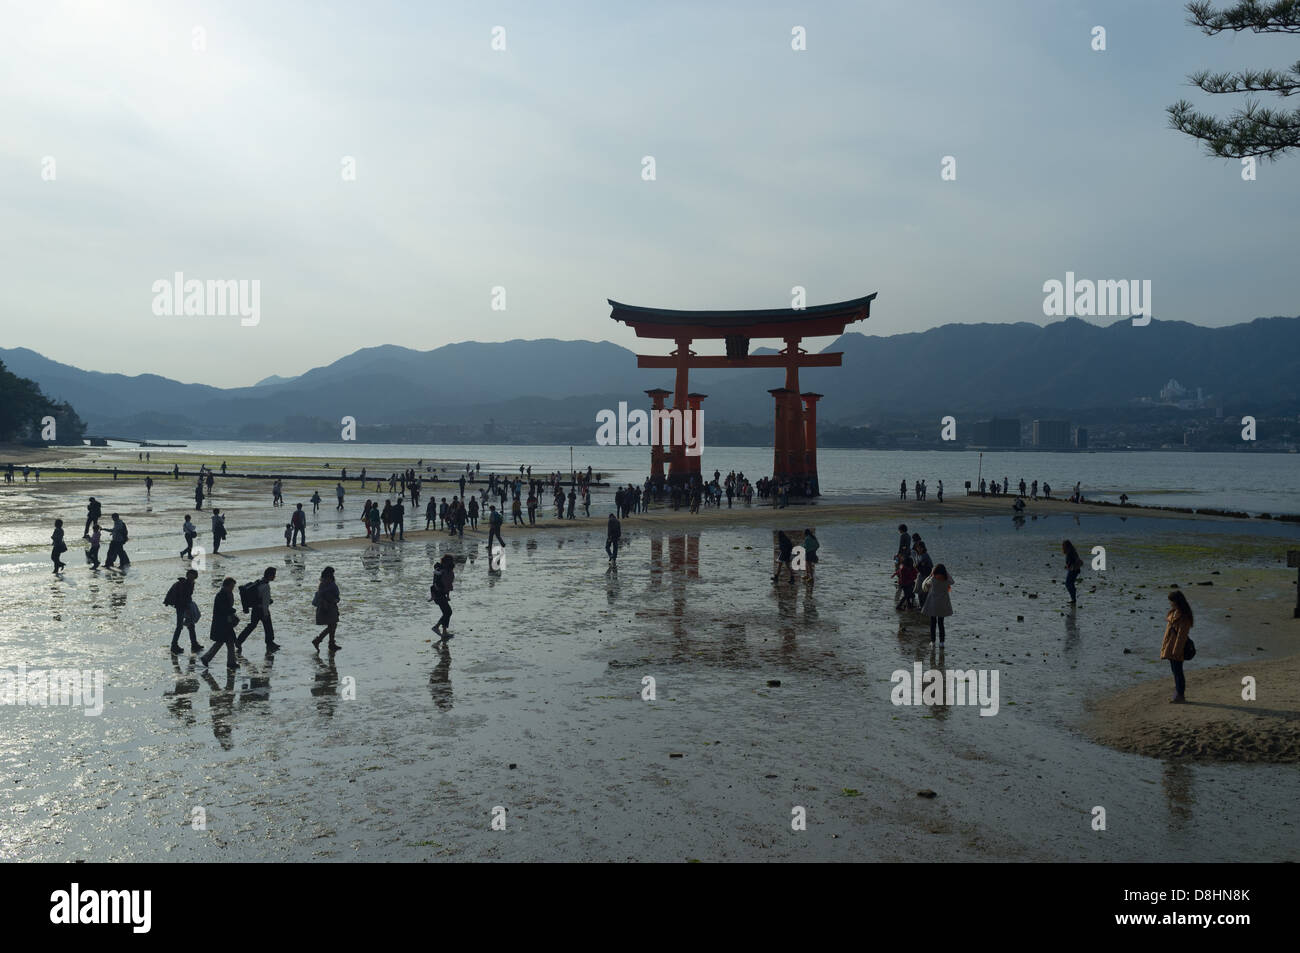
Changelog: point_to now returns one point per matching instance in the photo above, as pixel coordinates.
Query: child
(906, 574)
(288, 534)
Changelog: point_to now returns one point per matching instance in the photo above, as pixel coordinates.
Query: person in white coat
(938, 604)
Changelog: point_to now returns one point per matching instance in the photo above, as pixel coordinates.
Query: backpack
(248, 597)
(125, 536)
(172, 593)
(1189, 650)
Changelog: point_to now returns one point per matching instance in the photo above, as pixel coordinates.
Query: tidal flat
(767, 698)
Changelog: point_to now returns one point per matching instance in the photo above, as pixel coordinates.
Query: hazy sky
(522, 168)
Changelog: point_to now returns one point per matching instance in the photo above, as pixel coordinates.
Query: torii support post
(657, 395)
(781, 434)
(693, 463)
(810, 439)
(678, 470)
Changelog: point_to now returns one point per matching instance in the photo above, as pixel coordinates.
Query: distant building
(1081, 438)
(1052, 433)
(998, 432)
(1172, 392)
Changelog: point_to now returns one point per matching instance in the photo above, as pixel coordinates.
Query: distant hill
(961, 369)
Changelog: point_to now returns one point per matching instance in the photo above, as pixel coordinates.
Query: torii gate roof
(815, 321)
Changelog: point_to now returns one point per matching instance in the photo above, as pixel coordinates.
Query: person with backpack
(1176, 646)
(255, 597)
(93, 510)
(1073, 566)
(58, 546)
(190, 532)
(938, 604)
(218, 530)
(326, 602)
(440, 593)
(299, 521)
(495, 522)
(315, 501)
(180, 597)
(117, 538)
(222, 628)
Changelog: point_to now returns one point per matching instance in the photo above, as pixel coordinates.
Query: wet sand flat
(400, 751)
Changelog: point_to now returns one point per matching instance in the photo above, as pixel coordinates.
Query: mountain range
(961, 369)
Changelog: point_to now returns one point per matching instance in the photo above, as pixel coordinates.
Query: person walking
(222, 629)
(261, 612)
(440, 593)
(495, 522)
(938, 603)
(181, 598)
(326, 602)
(315, 503)
(93, 509)
(473, 513)
(1174, 647)
(375, 514)
(198, 495)
(586, 501)
(338, 492)
(92, 555)
(939, 495)
(189, 530)
(299, 521)
(785, 552)
(117, 538)
(810, 547)
(1073, 566)
(399, 520)
(218, 530)
(613, 534)
(58, 546)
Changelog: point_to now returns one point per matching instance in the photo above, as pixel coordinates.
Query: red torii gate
(794, 442)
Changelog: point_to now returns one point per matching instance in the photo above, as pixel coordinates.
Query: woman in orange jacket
(1178, 623)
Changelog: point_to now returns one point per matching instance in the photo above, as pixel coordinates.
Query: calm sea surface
(1255, 482)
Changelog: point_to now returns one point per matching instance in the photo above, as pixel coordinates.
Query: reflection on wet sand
(440, 679)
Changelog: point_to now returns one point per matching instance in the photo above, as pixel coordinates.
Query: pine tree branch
(1280, 16)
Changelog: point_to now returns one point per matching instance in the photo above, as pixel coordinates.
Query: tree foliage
(23, 406)
(1251, 129)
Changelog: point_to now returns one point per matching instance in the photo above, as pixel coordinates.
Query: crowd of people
(922, 584)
